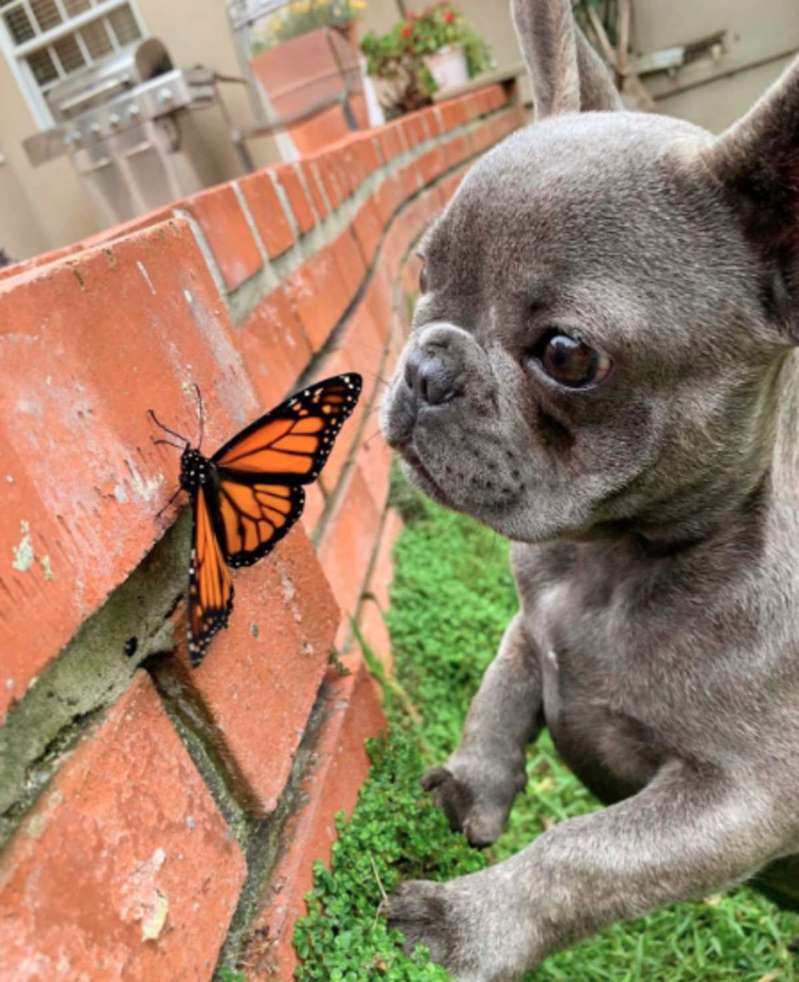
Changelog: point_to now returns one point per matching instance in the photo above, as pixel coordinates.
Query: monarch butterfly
(247, 496)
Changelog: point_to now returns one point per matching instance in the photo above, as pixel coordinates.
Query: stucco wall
(45, 208)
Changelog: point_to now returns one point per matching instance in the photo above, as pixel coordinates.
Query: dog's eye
(572, 363)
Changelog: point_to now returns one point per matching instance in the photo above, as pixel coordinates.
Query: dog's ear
(568, 76)
(756, 161)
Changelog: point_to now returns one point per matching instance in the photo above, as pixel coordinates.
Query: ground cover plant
(451, 600)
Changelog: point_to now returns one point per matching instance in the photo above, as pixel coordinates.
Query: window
(46, 41)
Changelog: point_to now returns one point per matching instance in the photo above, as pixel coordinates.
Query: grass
(451, 600)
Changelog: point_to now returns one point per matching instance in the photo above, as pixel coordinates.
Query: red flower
(407, 30)
(449, 17)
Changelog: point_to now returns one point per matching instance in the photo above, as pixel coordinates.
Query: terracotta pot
(307, 69)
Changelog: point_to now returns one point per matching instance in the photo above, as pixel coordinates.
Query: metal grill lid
(138, 62)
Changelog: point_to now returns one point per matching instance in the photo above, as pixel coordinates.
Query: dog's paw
(475, 798)
(465, 924)
(419, 910)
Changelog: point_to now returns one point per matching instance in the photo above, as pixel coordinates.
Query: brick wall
(154, 819)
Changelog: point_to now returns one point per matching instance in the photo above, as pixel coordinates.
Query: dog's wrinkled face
(593, 340)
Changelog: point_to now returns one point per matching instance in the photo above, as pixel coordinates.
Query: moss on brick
(93, 669)
(451, 599)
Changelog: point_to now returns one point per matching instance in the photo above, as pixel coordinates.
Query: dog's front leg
(686, 834)
(477, 785)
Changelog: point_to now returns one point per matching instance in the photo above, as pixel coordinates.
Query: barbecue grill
(126, 124)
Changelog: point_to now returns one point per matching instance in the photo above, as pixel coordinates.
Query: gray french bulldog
(603, 368)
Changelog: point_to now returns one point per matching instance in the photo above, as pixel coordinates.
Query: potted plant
(299, 56)
(300, 17)
(435, 49)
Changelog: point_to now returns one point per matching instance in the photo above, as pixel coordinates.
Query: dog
(603, 369)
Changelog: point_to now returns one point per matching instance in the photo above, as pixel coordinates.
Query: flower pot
(301, 72)
(448, 67)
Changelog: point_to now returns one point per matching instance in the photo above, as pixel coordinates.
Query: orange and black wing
(261, 470)
(210, 583)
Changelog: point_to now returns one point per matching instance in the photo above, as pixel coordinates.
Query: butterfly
(247, 496)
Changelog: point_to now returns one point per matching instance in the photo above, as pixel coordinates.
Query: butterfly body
(247, 496)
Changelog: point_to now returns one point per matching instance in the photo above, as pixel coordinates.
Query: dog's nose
(431, 376)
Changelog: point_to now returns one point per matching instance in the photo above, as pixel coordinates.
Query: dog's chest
(597, 695)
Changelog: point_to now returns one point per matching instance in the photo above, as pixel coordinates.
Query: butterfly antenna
(200, 413)
(161, 511)
(168, 443)
(166, 429)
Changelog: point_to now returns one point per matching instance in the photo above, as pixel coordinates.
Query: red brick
(473, 103)
(414, 129)
(298, 199)
(338, 163)
(348, 540)
(382, 575)
(314, 506)
(410, 179)
(389, 196)
(368, 227)
(365, 150)
(260, 676)
(432, 121)
(225, 229)
(88, 347)
(313, 183)
(125, 868)
(452, 114)
(375, 633)
(431, 164)
(274, 347)
(350, 262)
(456, 150)
(374, 459)
(391, 141)
(267, 213)
(339, 768)
(333, 181)
(378, 298)
(319, 294)
(360, 349)
(44, 259)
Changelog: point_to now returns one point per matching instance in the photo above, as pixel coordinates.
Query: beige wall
(45, 207)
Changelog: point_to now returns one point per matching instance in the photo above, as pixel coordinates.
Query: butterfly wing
(261, 470)
(210, 583)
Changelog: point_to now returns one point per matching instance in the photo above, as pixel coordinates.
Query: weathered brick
(452, 114)
(274, 347)
(391, 141)
(313, 183)
(374, 460)
(374, 631)
(260, 677)
(368, 227)
(319, 295)
(225, 228)
(82, 481)
(267, 212)
(431, 164)
(360, 349)
(300, 206)
(340, 766)
(314, 506)
(125, 868)
(382, 575)
(348, 541)
(350, 262)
